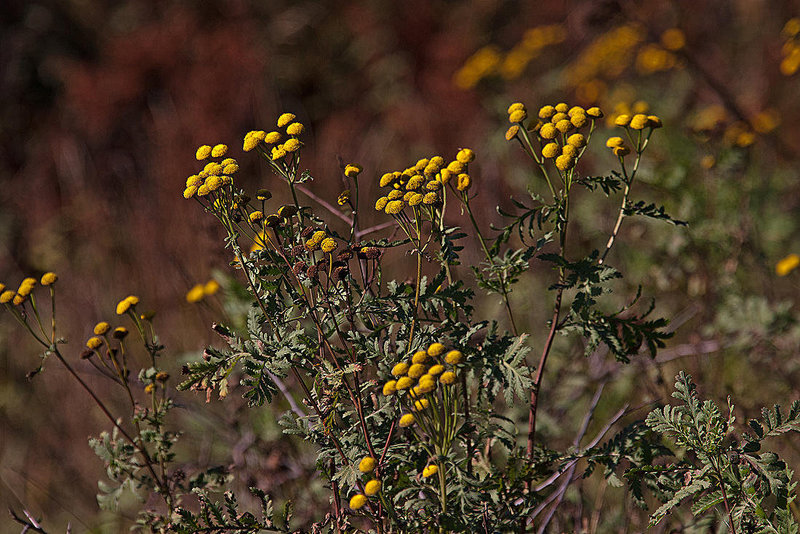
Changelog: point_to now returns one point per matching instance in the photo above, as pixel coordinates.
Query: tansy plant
(406, 391)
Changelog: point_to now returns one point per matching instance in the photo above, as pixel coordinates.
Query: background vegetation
(106, 102)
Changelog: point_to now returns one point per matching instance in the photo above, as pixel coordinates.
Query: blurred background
(105, 103)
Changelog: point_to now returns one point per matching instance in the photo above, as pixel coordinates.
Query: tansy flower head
(465, 155)
(614, 142)
(417, 370)
(120, 332)
(436, 370)
(390, 387)
(577, 140)
(421, 404)
(576, 110)
(400, 369)
(550, 150)
(564, 126)
(448, 377)
(202, 152)
(430, 198)
(387, 179)
(380, 204)
(256, 216)
(445, 174)
(639, 121)
(393, 207)
(516, 106)
(454, 357)
(415, 199)
(548, 131)
(252, 138)
(358, 501)
(415, 182)
(18, 300)
(372, 487)
(404, 382)
(295, 128)
(565, 162)
(285, 119)
(101, 328)
(278, 152)
(7, 296)
(436, 349)
(343, 198)
(512, 132)
(210, 288)
(578, 120)
(621, 151)
(561, 107)
(569, 150)
(653, 121)
(421, 164)
(352, 170)
(49, 278)
(455, 167)
(231, 168)
(787, 265)
(94, 343)
(219, 150)
(367, 464)
(517, 116)
(464, 182)
(292, 145)
(195, 294)
(545, 112)
(622, 120)
(272, 137)
(430, 470)
(26, 287)
(419, 357)
(594, 112)
(193, 180)
(189, 192)
(555, 119)
(407, 420)
(328, 245)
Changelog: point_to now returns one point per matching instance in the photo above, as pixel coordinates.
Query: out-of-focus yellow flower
(195, 294)
(358, 501)
(372, 487)
(210, 288)
(787, 265)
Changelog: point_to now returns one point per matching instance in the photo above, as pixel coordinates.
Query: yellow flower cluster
(636, 123)
(607, 56)
(660, 57)
(270, 143)
(201, 291)
(559, 129)
(26, 287)
(490, 61)
(214, 176)
(787, 265)
(422, 183)
(371, 487)
(126, 304)
(790, 63)
(425, 378)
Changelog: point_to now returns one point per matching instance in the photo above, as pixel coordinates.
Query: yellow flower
(210, 288)
(561, 107)
(387, 179)
(622, 120)
(400, 369)
(464, 182)
(548, 131)
(101, 328)
(516, 106)
(621, 151)
(419, 357)
(285, 119)
(407, 420)
(564, 126)
(393, 207)
(414, 183)
(578, 120)
(380, 204)
(7, 296)
(195, 294)
(430, 470)
(417, 370)
(404, 383)
(558, 117)
(614, 142)
(263, 195)
(252, 138)
(292, 145)
(367, 464)
(436, 349)
(219, 150)
(445, 175)
(278, 152)
(125, 304)
(94, 343)
(639, 121)
(430, 198)
(594, 112)
(194, 180)
(550, 150)
(352, 170)
(18, 299)
(448, 377)
(455, 167)
(201, 191)
(654, 122)
(328, 245)
(787, 265)
(415, 199)
(120, 332)
(343, 198)
(437, 369)
(517, 116)
(576, 110)
(26, 287)
(390, 387)
(213, 183)
(577, 140)
(272, 137)
(545, 112)
(202, 152)
(512, 132)
(673, 39)
(49, 278)
(465, 155)
(421, 404)
(212, 168)
(256, 216)
(569, 150)
(565, 162)
(231, 168)
(358, 501)
(295, 128)
(372, 487)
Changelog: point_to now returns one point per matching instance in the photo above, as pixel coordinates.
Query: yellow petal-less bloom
(421, 404)
(404, 382)
(194, 180)
(436, 349)
(278, 152)
(579, 120)
(210, 288)
(577, 140)
(328, 245)
(272, 137)
(436, 369)
(565, 162)
(455, 167)
(614, 142)
(231, 168)
(387, 179)
(389, 388)
(292, 145)
(26, 287)
(555, 119)
(203, 152)
(407, 420)
(417, 370)
(252, 139)
(419, 357)
(654, 121)
(569, 150)
(189, 192)
(94, 343)
(545, 112)
(576, 110)
(49, 279)
(415, 199)
(622, 120)
(447, 378)
(195, 294)
(516, 106)
(594, 112)
(561, 107)
(400, 369)
(352, 170)
(639, 121)
(787, 265)
(120, 332)
(367, 464)
(621, 151)
(430, 470)
(564, 126)
(372, 487)
(285, 119)
(445, 175)
(7, 296)
(548, 131)
(295, 128)
(358, 501)
(464, 182)
(18, 300)
(550, 150)
(512, 132)
(256, 216)
(465, 155)
(101, 328)
(124, 305)
(517, 116)
(213, 183)
(219, 150)
(393, 207)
